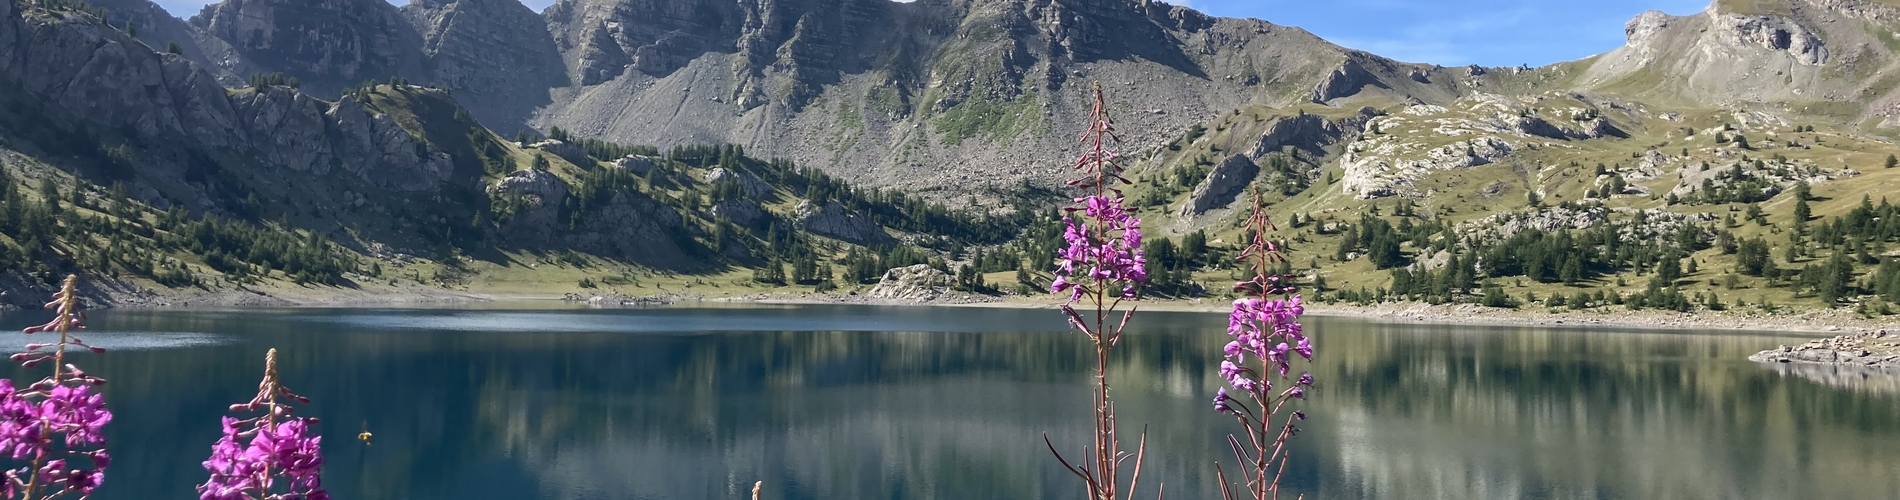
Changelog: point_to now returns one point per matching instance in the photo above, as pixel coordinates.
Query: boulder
(1222, 185)
(918, 283)
(639, 165)
(748, 183)
(541, 184)
(833, 221)
(1534, 126)
(1600, 128)
(537, 222)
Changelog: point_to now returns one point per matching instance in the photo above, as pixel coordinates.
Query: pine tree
(1347, 244)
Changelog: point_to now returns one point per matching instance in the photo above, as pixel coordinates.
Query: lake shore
(123, 296)
(1816, 322)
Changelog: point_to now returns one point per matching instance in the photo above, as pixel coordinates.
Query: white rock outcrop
(919, 283)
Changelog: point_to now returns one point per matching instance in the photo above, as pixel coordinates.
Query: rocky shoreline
(1873, 349)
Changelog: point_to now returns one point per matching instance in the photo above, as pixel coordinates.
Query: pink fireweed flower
(1266, 334)
(1101, 261)
(1106, 241)
(61, 408)
(270, 456)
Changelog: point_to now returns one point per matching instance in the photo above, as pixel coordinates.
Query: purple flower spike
(265, 452)
(1101, 264)
(1266, 334)
(57, 421)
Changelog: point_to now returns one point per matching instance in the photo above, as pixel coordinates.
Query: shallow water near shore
(858, 402)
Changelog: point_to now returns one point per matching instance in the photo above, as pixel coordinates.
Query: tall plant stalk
(1101, 267)
(1262, 327)
(274, 456)
(58, 419)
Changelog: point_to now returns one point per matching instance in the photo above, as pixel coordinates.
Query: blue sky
(1447, 32)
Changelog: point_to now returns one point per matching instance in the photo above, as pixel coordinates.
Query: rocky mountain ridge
(886, 93)
(970, 102)
(871, 89)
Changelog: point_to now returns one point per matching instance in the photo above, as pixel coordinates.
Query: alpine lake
(528, 401)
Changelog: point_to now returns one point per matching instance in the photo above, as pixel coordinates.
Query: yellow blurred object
(755, 489)
(365, 436)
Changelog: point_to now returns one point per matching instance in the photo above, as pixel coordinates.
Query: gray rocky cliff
(159, 29)
(633, 228)
(1222, 185)
(540, 195)
(626, 226)
(329, 44)
(202, 146)
(1311, 134)
(833, 221)
(496, 54)
(749, 184)
(953, 94)
(742, 212)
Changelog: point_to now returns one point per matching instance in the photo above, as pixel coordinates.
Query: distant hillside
(1741, 155)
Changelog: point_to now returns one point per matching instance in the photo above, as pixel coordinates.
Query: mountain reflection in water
(845, 402)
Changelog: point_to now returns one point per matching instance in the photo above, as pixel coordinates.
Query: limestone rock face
(634, 228)
(717, 71)
(99, 76)
(1535, 126)
(833, 221)
(639, 165)
(1601, 127)
(1343, 81)
(326, 43)
(496, 54)
(742, 212)
(1221, 186)
(1376, 174)
(1643, 28)
(543, 186)
(1309, 133)
(629, 226)
(750, 184)
(604, 38)
(1773, 33)
(158, 28)
(918, 283)
(543, 194)
(378, 138)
